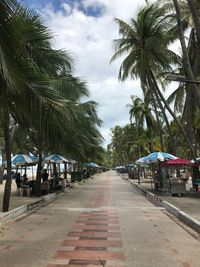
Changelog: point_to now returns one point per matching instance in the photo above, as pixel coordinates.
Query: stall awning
(176, 162)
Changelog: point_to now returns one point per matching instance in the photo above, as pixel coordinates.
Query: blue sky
(42, 3)
(86, 29)
(91, 10)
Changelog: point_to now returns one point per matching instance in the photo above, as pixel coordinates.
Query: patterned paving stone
(92, 243)
(96, 227)
(94, 234)
(89, 242)
(89, 255)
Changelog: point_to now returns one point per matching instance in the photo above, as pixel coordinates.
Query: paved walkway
(189, 203)
(105, 222)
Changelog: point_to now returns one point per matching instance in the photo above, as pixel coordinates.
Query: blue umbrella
(141, 160)
(23, 160)
(91, 164)
(158, 156)
(56, 159)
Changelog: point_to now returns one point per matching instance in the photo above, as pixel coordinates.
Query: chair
(45, 186)
(25, 189)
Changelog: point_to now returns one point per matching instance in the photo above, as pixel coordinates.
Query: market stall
(174, 175)
(154, 160)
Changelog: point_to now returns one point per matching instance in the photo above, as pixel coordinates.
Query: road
(105, 222)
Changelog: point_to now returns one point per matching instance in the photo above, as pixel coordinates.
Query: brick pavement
(95, 238)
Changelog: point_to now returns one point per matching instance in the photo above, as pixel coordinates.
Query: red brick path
(96, 235)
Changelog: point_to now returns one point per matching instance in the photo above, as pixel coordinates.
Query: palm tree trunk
(158, 124)
(153, 85)
(186, 60)
(189, 112)
(151, 148)
(174, 117)
(1, 174)
(2, 166)
(196, 18)
(39, 176)
(7, 189)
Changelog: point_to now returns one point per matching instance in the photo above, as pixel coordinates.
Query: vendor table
(177, 188)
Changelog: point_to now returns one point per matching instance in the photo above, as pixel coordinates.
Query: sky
(86, 29)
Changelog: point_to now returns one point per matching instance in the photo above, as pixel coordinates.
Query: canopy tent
(176, 162)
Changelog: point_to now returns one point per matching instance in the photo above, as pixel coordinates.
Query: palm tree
(184, 96)
(39, 92)
(141, 110)
(146, 41)
(20, 75)
(186, 61)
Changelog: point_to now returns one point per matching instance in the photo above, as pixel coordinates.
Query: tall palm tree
(186, 61)
(146, 41)
(20, 75)
(185, 95)
(142, 111)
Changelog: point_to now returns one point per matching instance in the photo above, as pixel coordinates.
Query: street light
(179, 78)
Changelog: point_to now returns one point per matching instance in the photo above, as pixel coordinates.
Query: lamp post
(180, 78)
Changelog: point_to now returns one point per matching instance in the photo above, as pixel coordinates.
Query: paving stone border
(178, 213)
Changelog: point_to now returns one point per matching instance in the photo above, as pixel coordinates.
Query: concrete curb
(179, 214)
(10, 215)
(13, 214)
(171, 208)
(189, 221)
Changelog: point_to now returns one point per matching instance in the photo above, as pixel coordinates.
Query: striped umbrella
(91, 164)
(56, 159)
(158, 156)
(141, 160)
(23, 160)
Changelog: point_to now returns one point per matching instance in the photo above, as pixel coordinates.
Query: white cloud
(90, 39)
(67, 8)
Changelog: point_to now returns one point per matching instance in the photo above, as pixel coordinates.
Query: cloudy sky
(86, 28)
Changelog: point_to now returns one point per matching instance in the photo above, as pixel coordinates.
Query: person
(24, 179)
(15, 175)
(45, 175)
(55, 174)
(18, 180)
(84, 173)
